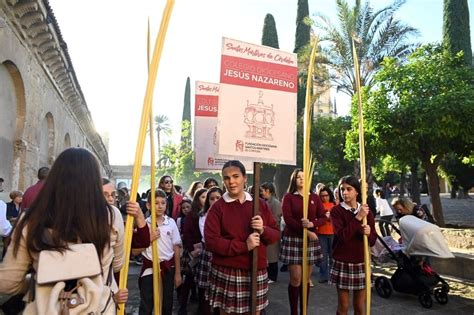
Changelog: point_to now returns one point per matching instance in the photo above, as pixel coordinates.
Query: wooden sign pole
(256, 211)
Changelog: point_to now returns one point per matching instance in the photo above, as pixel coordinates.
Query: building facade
(42, 108)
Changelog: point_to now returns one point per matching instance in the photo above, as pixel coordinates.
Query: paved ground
(323, 298)
(458, 212)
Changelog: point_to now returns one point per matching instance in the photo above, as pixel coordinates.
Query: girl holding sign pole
(347, 271)
(292, 246)
(231, 232)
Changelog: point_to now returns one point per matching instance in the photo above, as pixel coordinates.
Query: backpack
(70, 282)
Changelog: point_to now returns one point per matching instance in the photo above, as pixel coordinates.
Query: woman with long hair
(325, 233)
(231, 233)
(292, 246)
(69, 209)
(210, 182)
(195, 186)
(173, 198)
(347, 270)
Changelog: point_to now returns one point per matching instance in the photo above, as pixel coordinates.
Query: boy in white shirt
(168, 243)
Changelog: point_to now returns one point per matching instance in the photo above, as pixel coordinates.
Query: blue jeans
(325, 240)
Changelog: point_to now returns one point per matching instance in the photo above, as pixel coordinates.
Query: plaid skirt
(291, 251)
(348, 276)
(230, 288)
(202, 269)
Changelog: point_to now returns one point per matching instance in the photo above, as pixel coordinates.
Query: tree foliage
(327, 145)
(187, 105)
(269, 32)
(380, 33)
(303, 29)
(459, 171)
(423, 108)
(456, 33)
(162, 127)
(178, 160)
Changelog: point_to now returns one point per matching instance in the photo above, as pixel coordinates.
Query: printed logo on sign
(239, 145)
(210, 161)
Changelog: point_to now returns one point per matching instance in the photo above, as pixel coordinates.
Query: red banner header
(206, 105)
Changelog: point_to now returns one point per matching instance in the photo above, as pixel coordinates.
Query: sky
(107, 43)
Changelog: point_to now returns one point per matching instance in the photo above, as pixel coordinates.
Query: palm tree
(379, 35)
(162, 126)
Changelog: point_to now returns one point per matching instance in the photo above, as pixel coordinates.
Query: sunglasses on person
(168, 181)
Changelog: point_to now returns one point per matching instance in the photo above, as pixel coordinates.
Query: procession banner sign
(205, 129)
(257, 103)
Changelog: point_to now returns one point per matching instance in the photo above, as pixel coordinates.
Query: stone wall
(462, 239)
(42, 108)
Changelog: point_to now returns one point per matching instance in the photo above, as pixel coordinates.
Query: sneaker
(311, 284)
(138, 260)
(322, 281)
(270, 281)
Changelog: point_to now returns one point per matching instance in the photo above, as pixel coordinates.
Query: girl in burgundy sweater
(292, 246)
(204, 264)
(192, 248)
(347, 271)
(231, 233)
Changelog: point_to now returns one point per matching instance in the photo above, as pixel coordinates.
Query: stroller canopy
(423, 238)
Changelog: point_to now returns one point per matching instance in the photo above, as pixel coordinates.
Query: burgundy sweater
(292, 207)
(227, 228)
(141, 237)
(348, 244)
(191, 232)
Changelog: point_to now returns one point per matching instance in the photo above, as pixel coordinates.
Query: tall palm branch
(379, 32)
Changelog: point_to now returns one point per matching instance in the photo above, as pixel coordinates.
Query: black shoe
(284, 268)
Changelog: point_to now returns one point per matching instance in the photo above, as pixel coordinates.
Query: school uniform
(204, 264)
(169, 237)
(347, 270)
(291, 252)
(226, 230)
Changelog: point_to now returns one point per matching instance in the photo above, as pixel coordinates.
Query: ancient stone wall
(42, 108)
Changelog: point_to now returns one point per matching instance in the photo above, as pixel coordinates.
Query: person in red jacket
(31, 192)
(231, 232)
(347, 271)
(292, 245)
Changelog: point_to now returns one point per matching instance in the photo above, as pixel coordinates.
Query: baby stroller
(413, 275)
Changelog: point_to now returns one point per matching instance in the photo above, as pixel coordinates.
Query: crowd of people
(205, 237)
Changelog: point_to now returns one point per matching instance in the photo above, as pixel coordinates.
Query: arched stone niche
(12, 122)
